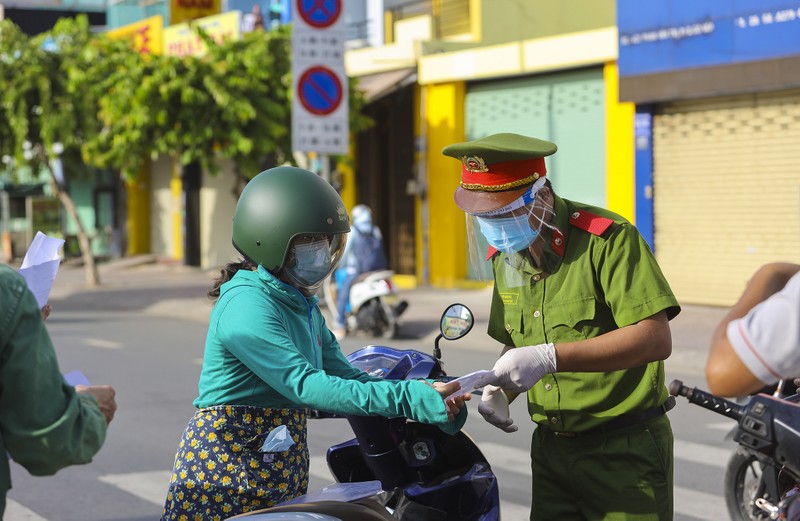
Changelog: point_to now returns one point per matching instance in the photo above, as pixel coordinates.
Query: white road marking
(702, 453)
(16, 512)
(699, 505)
(104, 344)
(149, 486)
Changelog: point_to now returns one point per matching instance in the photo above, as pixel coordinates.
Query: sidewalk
(144, 284)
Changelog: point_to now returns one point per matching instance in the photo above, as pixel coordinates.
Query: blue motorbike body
(428, 473)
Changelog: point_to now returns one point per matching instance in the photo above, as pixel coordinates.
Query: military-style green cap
(497, 169)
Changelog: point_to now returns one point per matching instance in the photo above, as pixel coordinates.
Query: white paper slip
(40, 265)
(468, 382)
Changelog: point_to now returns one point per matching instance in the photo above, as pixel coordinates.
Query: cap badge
(342, 213)
(474, 164)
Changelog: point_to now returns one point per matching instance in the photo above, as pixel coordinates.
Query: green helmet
(280, 204)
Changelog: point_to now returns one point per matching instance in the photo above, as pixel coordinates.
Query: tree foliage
(110, 107)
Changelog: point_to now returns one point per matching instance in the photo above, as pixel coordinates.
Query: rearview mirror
(457, 321)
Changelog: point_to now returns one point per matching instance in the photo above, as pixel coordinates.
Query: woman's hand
(454, 405)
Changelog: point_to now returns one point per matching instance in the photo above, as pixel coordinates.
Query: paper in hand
(76, 378)
(40, 265)
(469, 383)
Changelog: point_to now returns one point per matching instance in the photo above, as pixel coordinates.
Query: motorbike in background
(396, 469)
(746, 477)
(373, 307)
(763, 476)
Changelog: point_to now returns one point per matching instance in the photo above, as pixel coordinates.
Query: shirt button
(536, 314)
(553, 420)
(575, 215)
(536, 278)
(548, 387)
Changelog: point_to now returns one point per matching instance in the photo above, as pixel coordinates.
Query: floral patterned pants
(220, 471)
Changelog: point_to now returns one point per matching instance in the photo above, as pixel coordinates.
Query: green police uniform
(602, 448)
(604, 281)
(44, 424)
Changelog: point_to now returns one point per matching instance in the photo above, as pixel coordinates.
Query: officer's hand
(520, 368)
(494, 408)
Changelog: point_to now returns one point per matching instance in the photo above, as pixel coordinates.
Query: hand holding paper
(469, 383)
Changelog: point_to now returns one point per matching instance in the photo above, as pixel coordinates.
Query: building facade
(717, 93)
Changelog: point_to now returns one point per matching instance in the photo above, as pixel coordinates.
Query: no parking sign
(320, 104)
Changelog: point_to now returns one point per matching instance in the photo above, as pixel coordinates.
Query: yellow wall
(138, 191)
(443, 110)
(620, 175)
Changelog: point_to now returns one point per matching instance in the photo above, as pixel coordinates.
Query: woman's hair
(226, 273)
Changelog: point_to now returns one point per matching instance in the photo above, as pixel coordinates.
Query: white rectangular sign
(320, 101)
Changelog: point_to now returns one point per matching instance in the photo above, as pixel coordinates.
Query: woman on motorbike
(269, 357)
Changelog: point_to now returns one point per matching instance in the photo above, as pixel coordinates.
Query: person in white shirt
(758, 341)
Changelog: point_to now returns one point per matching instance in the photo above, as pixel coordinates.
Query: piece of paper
(468, 383)
(40, 265)
(76, 378)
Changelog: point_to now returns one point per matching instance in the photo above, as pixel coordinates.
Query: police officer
(583, 311)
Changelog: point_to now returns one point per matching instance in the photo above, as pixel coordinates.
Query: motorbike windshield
(375, 365)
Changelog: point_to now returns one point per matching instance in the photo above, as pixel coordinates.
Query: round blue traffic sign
(319, 13)
(320, 90)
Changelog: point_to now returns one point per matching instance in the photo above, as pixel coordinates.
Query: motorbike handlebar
(707, 400)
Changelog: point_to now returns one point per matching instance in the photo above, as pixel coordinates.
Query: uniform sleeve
(45, 425)
(633, 285)
(767, 338)
(270, 353)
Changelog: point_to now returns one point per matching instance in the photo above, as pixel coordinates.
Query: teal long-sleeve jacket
(268, 346)
(44, 424)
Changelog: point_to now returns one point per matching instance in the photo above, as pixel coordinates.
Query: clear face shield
(512, 229)
(311, 258)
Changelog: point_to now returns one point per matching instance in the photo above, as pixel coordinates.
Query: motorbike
(746, 477)
(768, 450)
(374, 306)
(396, 469)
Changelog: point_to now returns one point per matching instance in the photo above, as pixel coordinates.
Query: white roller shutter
(727, 191)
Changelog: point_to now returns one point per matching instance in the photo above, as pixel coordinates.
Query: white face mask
(312, 263)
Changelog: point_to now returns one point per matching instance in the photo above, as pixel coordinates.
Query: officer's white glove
(520, 368)
(494, 408)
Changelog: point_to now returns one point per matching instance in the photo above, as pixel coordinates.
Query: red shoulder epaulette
(590, 222)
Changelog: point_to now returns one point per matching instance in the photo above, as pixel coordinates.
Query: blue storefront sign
(667, 35)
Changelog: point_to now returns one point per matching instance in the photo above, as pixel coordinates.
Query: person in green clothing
(583, 311)
(45, 423)
(269, 358)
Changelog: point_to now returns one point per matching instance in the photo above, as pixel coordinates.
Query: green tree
(43, 119)
(233, 102)
(110, 107)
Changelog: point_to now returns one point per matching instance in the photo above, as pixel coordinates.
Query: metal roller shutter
(726, 191)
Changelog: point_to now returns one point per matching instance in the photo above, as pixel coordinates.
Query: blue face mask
(508, 234)
(313, 263)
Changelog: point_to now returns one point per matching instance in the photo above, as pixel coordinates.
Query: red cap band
(503, 176)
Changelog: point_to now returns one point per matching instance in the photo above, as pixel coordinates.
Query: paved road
(141, 327)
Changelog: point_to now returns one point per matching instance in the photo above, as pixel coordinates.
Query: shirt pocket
(572, 320)
(514, 325)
